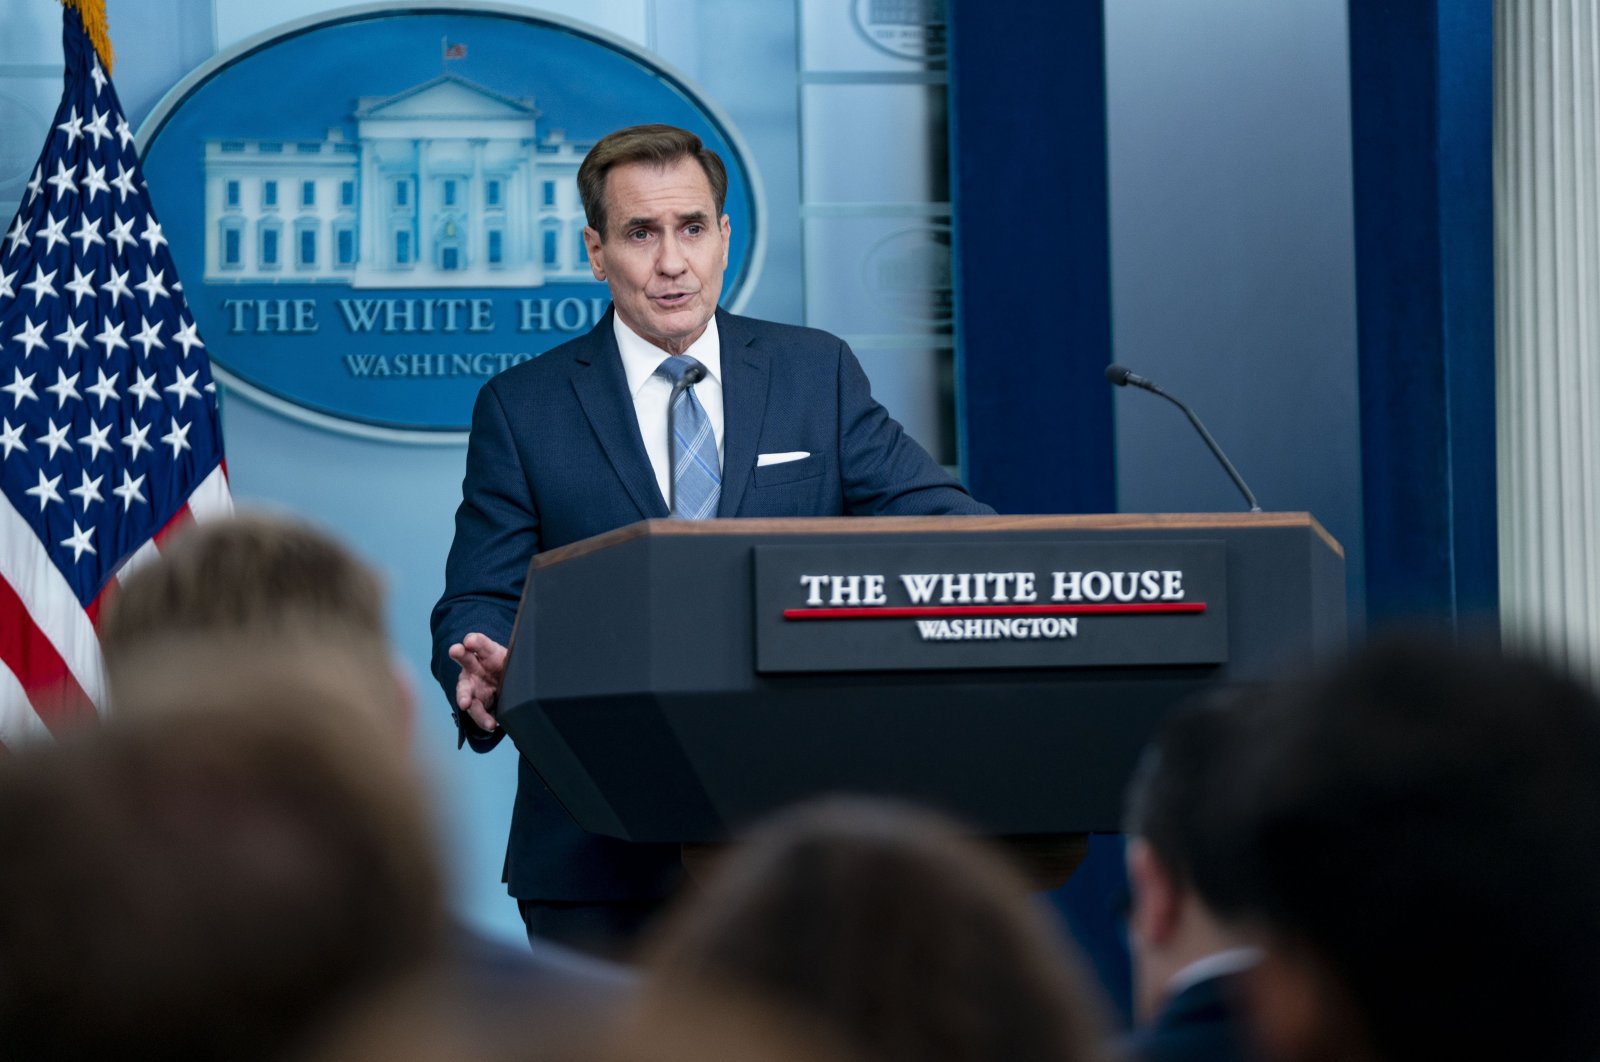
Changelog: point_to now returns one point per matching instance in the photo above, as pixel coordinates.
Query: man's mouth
(671, 299)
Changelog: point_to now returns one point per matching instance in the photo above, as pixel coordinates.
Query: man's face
(665, 252)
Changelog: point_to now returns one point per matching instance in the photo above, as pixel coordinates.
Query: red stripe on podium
(959, 611)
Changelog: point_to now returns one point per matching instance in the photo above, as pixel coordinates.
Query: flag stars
(6, 290)
(46, 490)
(97, 440)
(11, 437)
(41, 285)
(63, 181)
(117, 286)
(72, 336)
(54, 232)
(97, 128)
(143, 387)
(123, 182)
(32, 335)
(79, 541)
(65, 387)
(184, 389)
(87, 232)
(106, 389)
(88, 491)
(178, 438)
(136, 440)
(188, 336)
(98, 76)
(20, 387)
(124, 131)
(35, 184)
(122, 233)
(110, 337)
(55, 438)
(18, 236)
(150, 336)
(94, 182)
(152, 234)
(153, 285)
(81, 287)
(73, 127)
(129, 490)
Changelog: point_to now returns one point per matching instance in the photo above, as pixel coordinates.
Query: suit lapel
(602, 390)
(745, 376)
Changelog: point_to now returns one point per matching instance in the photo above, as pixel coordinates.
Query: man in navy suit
(1188, 963)
(574, 443)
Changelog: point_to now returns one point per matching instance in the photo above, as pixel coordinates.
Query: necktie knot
(676, 366)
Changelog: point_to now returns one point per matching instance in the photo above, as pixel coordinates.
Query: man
(573, 444)
(1187, 961)
(1416, 838)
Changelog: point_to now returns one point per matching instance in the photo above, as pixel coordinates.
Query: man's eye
(694, 230)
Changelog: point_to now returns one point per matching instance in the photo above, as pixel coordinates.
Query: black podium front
(672, 680)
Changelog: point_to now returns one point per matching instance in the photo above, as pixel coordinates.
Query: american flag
(109, 434)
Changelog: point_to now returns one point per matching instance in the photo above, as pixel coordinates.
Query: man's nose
(670, 261)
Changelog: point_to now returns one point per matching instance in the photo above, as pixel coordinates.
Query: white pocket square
(763, 460)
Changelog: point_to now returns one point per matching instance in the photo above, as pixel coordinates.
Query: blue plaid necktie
(696, 472)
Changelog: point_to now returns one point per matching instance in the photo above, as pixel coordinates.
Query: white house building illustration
(447, 184)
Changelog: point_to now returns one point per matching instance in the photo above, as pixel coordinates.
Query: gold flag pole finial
(93, 13)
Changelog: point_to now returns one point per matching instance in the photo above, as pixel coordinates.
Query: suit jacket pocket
(790, 471)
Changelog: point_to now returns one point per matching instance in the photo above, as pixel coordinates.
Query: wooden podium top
(856, 525)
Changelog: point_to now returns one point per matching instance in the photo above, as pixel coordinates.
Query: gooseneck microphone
(1122, 377)
(691, 376)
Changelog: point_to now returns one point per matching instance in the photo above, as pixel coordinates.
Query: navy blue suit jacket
(556, 456)
(1199, 1024)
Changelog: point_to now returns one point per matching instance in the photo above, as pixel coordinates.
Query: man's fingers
(483, 662)
(481, 716)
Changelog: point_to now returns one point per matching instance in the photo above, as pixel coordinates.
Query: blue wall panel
(1422, 107)
(1033, 303)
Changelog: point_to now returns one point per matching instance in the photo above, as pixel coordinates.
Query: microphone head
(693, 375)
(1118, 375)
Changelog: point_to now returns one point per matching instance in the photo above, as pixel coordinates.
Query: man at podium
(670, 406)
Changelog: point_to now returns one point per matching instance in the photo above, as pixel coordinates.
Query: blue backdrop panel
(1033, 301)
(1033, 314)
(1422, 115)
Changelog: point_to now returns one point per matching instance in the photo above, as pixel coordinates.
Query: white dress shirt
(1218, 964)
(640, 359)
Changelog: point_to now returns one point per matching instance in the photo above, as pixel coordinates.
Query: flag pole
(93, 14)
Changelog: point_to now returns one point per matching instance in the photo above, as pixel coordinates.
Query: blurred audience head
(1178, 790)
(888, 925)
(1417, 837)
(206, 884)
(250, 593)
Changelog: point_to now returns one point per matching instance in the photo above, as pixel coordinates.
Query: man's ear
(596, 249)
(1155, 896)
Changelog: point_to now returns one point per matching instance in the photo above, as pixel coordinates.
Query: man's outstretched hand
(483, 665)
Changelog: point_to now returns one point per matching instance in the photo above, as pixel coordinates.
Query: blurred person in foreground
(887, 926)
(1187, 962)
(198, 884)
(241, 600)
(1416, 838)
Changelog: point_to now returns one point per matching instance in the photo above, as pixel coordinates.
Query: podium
(673, 680)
